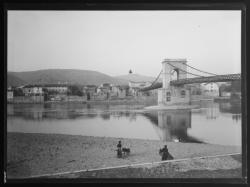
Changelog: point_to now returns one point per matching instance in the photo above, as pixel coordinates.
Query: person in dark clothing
(119, 149)
(119, 145)
(165, 153)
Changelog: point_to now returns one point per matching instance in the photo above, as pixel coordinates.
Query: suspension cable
(185, 71)
(200, 70)
(156, 78)
(179, 69)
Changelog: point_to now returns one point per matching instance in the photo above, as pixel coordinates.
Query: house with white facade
(32, 90)
(59, 88)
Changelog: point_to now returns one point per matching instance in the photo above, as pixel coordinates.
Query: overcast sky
(113, 42)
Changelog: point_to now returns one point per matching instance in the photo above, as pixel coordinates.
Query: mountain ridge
(70, 76)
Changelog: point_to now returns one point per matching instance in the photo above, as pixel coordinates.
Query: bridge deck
(217, 78)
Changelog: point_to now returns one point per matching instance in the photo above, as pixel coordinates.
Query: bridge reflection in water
(172, 125)
(205, 124)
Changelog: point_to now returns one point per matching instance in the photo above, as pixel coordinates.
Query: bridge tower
(168, 94)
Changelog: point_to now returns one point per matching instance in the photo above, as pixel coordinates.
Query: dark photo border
(139, 6)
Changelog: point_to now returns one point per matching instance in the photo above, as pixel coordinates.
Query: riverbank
(129, 101)
(38, 154)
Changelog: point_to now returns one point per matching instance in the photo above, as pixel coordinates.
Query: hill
(70, 76)
(13, 80)
(136, 78)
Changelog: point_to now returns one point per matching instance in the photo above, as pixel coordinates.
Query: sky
(113, 42)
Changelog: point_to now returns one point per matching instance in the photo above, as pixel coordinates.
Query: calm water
(216, 123)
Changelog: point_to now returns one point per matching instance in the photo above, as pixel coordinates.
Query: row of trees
(234, 87)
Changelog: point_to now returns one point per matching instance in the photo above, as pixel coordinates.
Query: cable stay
(156, 78)
(201, 70)
(185, 71)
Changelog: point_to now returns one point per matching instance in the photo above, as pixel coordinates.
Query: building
(210, 89)
(105, 88)
(119, 91)
(101, 95)
(32, 90)
(225, 94)
(28, 94)
(58, 88)
(134, 87)
(195, 89)
(89, 91)
(104, 91)
(10, 94)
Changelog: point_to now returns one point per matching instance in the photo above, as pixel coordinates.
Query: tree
(75, 90)
(236, 86)
(18, 92)
(46, 94)
(224, 88)
(45, 90)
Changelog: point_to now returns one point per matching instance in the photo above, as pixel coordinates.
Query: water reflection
(105, 116)
(132, 117)
(205, 124)
(210, 110)
(236, 117)
(172, 125)
(119, 114)
(77, 110)
(230, 107)
(51, 111)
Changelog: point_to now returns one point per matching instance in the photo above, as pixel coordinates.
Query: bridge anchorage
(174, 92)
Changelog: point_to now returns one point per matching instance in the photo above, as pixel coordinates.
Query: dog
(126, 151)
(123, 152)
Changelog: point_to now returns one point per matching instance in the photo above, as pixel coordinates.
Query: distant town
(39, 93)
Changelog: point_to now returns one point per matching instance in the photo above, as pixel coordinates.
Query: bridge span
(217, 78)
(174, 92)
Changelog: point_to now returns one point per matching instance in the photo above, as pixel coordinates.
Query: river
(214, 123)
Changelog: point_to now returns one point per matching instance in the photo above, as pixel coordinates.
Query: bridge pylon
(168, 94)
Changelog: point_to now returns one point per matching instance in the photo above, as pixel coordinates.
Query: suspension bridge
(174, 91)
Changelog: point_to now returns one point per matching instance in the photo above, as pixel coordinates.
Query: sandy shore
(37, 154)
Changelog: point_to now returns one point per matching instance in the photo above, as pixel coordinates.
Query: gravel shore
(38, 154)
(212, 167)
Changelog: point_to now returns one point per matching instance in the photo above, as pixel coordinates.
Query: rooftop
(45, 85)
